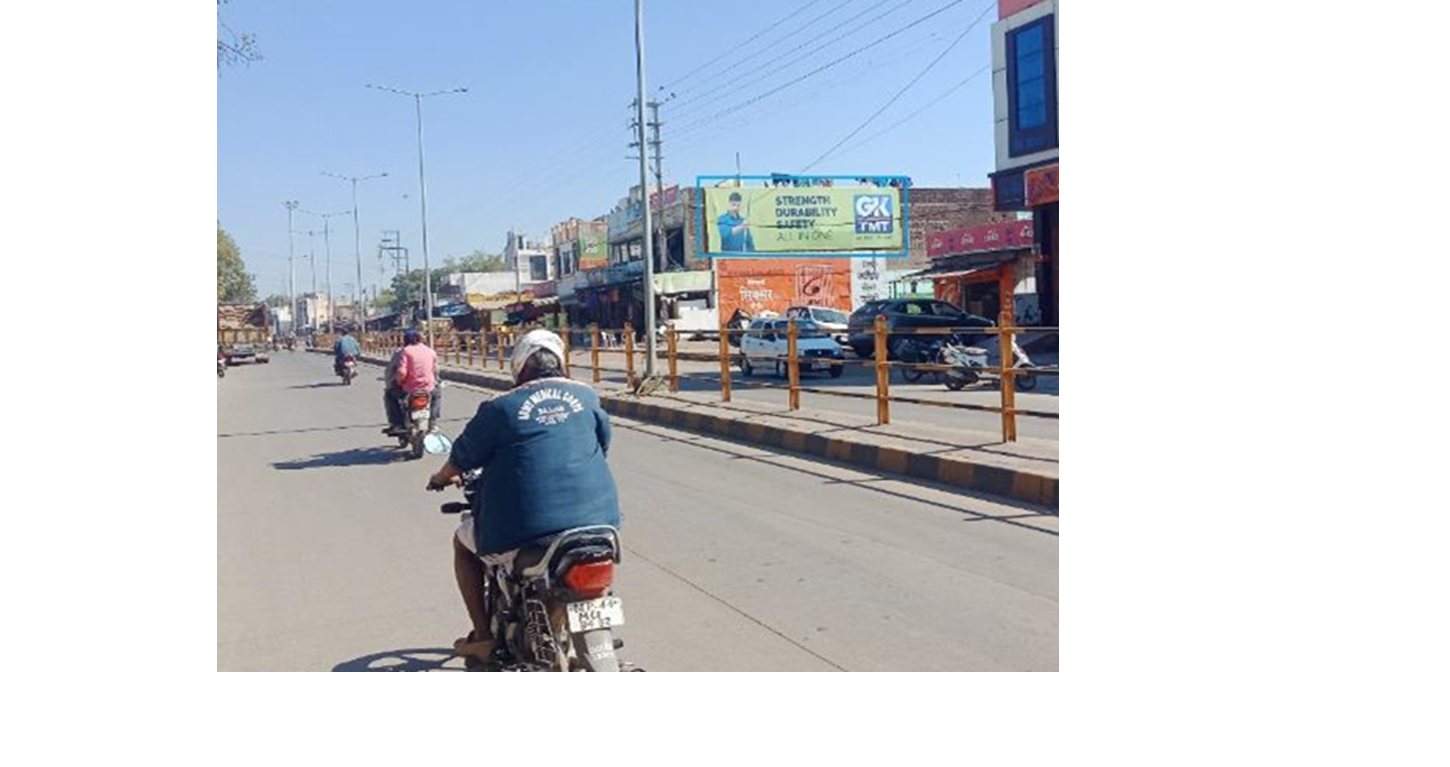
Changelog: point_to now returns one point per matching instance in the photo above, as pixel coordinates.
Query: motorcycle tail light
(590, 578)
(419, 402)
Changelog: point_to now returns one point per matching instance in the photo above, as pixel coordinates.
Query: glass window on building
(1032, 88)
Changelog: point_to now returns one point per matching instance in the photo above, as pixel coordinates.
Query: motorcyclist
(417, 371)
(542, 446)
(392, 393)
(345, 346)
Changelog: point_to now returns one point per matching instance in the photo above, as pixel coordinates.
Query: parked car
(903, 314)
(758, 351)
(833, 321)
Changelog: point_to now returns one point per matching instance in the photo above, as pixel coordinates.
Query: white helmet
(533, 341)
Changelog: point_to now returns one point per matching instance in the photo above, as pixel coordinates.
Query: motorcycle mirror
(437, 444)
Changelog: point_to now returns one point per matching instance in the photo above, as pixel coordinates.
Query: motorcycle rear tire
(956, 384)
(1026, 382)
(417, 447)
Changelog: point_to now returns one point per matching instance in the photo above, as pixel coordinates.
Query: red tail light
(590, 578)
(419, 402)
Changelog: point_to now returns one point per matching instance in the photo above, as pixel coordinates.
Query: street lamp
(357, 238)
(311, 257)
(327, 246)
(422, 191)
(291, 205)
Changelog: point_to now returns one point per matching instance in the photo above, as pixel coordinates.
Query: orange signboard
(1041, 185)
(776, 284)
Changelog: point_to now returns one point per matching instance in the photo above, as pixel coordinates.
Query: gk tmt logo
(873, 214)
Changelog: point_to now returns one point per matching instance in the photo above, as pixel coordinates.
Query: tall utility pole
(327, 247)
(357, 307)
(423, 193)
(291, 206)
(654, 124)
(649, 271)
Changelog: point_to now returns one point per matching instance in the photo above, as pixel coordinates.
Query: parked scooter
(552, 608)
(970, 364)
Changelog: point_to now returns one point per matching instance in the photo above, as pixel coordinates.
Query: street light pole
(423, 194)
(327, 248)
(649, 253)
(357, 243)
(291, 206)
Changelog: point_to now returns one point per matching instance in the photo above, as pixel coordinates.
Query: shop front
(984, 270)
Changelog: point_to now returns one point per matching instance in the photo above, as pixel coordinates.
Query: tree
(233, 284)
(232, 47)
(479, 261)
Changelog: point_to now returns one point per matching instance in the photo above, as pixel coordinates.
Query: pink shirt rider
(417, 369)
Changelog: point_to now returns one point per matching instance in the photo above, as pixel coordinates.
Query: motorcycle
(221, 365)
(964, 364)
(417, 411)
(552, 608)
(970, 364)
(347, 369)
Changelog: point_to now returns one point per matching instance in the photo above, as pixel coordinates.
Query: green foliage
(233, 284)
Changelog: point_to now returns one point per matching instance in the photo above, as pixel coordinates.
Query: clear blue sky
(541, 134)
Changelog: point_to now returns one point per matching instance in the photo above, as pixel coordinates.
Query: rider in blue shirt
(542, 448)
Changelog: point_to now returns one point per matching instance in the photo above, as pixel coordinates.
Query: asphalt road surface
(331, 556)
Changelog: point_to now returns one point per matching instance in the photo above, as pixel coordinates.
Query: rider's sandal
(467, 646)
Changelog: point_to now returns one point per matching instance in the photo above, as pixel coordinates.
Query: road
(330, 555)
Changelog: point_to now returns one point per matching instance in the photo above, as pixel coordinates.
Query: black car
(901, 314)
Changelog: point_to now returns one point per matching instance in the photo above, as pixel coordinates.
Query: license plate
(601, 613)
(420, 415)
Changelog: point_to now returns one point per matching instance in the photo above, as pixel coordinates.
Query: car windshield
(871, 309)
(808, 329)
(828, 315)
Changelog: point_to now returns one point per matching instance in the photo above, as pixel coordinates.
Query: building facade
(1024, 89)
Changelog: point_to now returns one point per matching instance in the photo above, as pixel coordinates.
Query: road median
(1025, 471)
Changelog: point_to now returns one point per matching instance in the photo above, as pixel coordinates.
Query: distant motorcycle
(221, 365)
(552, 608)
(347, 369)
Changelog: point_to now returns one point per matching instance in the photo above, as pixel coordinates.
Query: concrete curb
(959, 472)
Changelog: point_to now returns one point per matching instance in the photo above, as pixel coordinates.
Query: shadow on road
(324, 385)
(419, 659)
(358, 456)
(378, 425)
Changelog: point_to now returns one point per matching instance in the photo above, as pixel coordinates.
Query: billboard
(807, 216)
(776, 284)
(593, 249)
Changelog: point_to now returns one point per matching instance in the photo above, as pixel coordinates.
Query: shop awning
(963, 266)
(682, 282)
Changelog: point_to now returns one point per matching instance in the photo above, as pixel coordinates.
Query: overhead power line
(827, 65)
(878, 134)
(768, 28)
(903, 90)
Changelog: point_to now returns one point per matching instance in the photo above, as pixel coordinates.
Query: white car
(766, 349)
(832, 321)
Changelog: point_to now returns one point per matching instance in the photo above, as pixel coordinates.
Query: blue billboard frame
(905, 188)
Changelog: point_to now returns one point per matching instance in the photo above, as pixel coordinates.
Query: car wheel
(838, 370)
(745, 367)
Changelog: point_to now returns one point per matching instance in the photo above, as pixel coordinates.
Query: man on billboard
(734, 229)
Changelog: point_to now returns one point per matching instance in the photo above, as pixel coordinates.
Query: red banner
(1009, 235)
